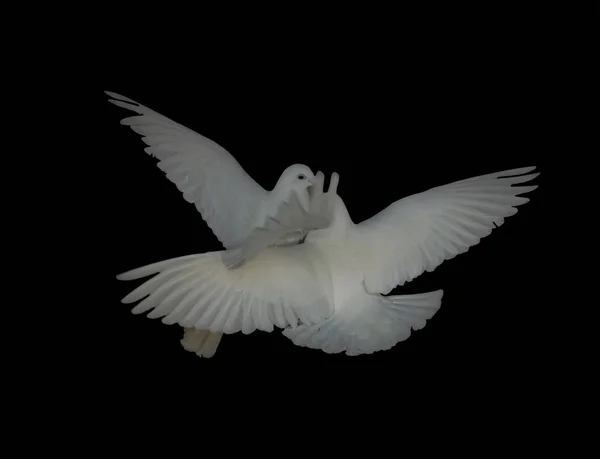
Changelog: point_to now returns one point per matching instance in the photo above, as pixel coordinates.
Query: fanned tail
(369, 323)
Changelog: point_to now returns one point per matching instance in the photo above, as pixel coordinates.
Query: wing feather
(419, 232)
(207, 175)
(279, 287)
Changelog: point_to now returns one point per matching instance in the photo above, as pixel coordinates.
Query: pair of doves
(293, 257)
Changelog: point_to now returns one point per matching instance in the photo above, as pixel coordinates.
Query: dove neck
(340, 223)
(341, 217)
(281, 189)
(283, 193)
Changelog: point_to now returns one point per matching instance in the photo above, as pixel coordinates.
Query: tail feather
(203, 343)
(369, 324)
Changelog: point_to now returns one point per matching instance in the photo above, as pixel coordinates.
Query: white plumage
(327, 292)
(230, 201)
(276, 288)
(368, 323)
(419, 232)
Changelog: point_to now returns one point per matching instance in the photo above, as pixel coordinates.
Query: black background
(507, 367)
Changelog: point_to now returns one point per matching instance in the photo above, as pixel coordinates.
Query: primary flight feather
(230, 201)
(328, 293)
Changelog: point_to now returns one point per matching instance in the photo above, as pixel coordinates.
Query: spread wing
(207, 175)
(419, 232)
(279, 287)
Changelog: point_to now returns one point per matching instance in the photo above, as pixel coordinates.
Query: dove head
(297, 177)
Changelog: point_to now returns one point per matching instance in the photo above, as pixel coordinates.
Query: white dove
(230, 201)
(328, 293)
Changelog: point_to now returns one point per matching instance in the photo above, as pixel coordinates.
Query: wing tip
(518, 171)
(123, 276)
(117, 96)
(122, 101)
(129, 275)
(132, 297)
(521, 190)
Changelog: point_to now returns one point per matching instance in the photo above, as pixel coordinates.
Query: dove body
(330, 293)
(229, 200)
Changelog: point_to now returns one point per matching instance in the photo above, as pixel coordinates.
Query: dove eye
(301, 176)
